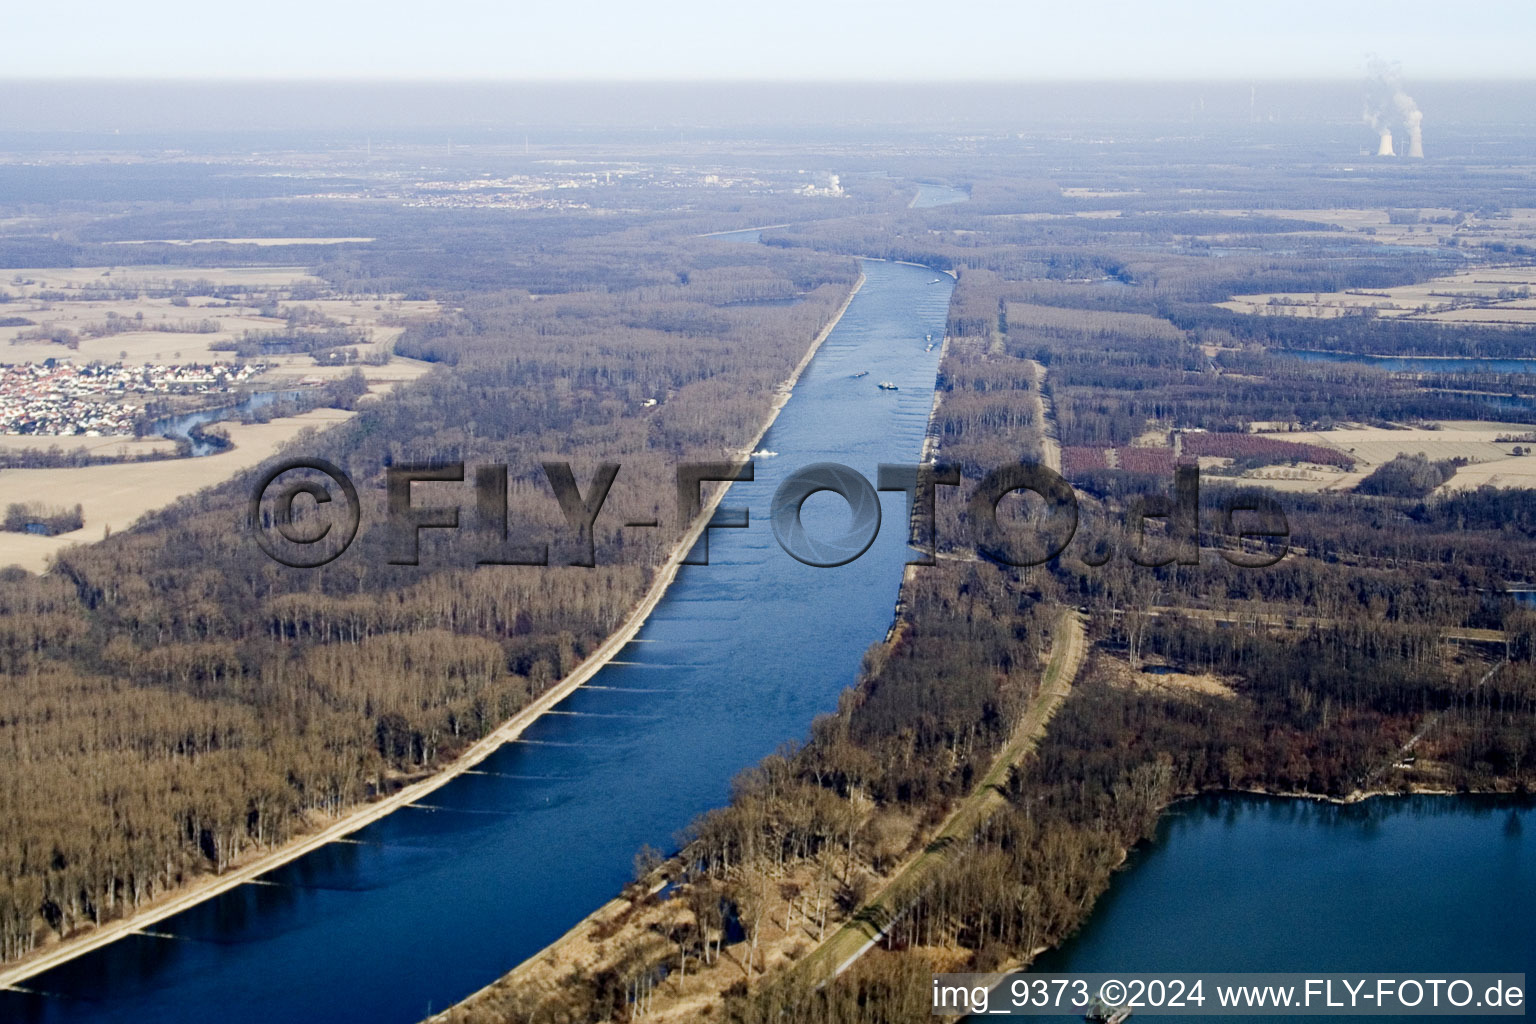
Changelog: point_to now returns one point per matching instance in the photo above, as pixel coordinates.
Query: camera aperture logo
(305, 513)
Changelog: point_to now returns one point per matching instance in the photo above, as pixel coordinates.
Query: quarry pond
(1237, 883)
(1417, 364)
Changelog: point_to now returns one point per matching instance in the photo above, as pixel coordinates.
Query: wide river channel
(438, 899)
(427, 905)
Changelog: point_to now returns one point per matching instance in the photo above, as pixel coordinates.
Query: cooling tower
(1415, 122)
(1385, 149)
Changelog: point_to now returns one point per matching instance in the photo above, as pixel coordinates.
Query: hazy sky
(800, 39)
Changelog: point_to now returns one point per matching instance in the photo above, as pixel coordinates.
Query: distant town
(577, 189)
(60, 398)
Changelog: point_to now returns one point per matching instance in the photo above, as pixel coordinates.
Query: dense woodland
(174, 701)
(1328, 661)
(171, 702)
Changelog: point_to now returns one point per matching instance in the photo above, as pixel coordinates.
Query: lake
(1414, 364)
(930, 195)
(1249, 883)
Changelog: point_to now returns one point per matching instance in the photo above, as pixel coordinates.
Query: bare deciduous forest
(1388, 619)
(173, 702)
(176, 701)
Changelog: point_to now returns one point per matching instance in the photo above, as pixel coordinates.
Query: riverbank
(953, 834)
(213, 886)
(633, 927)
(1501, 787)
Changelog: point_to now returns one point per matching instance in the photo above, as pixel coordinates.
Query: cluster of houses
(61, 398)
(554, 190)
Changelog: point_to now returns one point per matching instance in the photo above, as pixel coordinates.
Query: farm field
(1492, 461)
(115, 446)
(1471, 296)
(43, 278)
(1111, 283)
(239, 241)
(1513, 472)
(114, 496)
(1513, 225)
(1297, 462)
(35, 299)
(1304, 477)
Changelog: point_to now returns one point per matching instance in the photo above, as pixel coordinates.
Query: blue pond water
(433, 902)
(1416, 364)
(179, 428)
(1242, 883)
(930, 195)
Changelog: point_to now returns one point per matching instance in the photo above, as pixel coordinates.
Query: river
(930, 195)
(432, 902)
(1261, 884)
(1415, 364)
(179, 427)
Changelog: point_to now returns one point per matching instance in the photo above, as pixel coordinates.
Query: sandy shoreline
(366, 814)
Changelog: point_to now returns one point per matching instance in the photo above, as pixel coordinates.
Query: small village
(61, 398)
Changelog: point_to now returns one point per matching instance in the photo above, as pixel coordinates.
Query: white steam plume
(1386, 104)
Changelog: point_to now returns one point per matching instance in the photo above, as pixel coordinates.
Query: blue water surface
(435, 901)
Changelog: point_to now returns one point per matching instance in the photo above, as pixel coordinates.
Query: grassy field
(381, 317)
(240, 241)
(1466, 297)
(1301, 477)
(1493, 461)
(59, 278)
(1516, 225)
(115, 446)
(115, 496)
(1513, 472)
